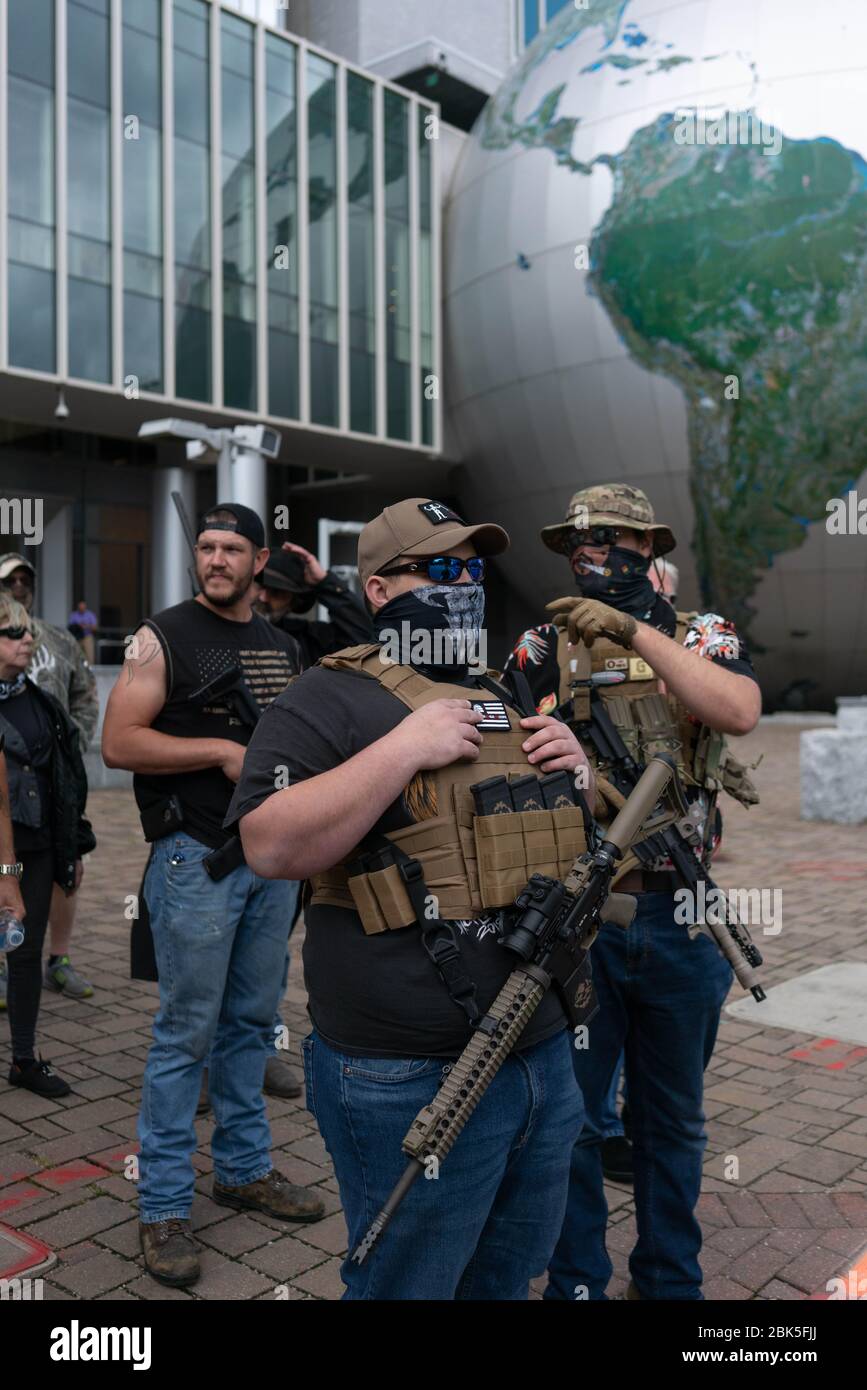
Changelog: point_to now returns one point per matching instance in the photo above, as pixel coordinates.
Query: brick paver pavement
(794, 1216)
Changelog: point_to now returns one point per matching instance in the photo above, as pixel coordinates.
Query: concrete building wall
(369, 32)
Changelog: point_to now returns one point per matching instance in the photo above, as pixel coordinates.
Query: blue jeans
(660, 997)
(221, 951)
(490, 1220)
(610, 1123)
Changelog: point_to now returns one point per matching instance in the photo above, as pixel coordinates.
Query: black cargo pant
(24, 965)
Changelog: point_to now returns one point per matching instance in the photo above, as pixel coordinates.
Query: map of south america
(741, 276)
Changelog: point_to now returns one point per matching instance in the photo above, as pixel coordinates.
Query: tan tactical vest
(651, 722)
(470, 863)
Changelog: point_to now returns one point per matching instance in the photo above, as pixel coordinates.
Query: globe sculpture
(655, 272)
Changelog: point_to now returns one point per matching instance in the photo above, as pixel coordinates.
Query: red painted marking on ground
(839, 871)
(6, 1178)
(816, 1051)
(7, 1203)
(73, 1172)
(32, 1251)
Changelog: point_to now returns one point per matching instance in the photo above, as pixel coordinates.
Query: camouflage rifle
(554, 928)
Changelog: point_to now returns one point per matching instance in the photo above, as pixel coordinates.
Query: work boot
(617, 1160)
(2, 984)
(64, 980)
(280, 1080)
(170, 1252)
(274, 1195)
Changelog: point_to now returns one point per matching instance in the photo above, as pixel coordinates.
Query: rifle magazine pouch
(380, 894)
(381, 900)
(510, 849)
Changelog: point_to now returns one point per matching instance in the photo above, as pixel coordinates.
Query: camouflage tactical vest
(649, 721)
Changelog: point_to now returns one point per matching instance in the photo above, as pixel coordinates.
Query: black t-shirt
(26, 713)
(380, 995)
(199, 645)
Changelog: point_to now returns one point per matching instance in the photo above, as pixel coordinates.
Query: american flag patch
(495, 716)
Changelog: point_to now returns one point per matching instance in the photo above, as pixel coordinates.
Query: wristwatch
(11, 870)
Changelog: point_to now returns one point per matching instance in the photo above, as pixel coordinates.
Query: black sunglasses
(593, 535)
(444, 569)
(14, 633)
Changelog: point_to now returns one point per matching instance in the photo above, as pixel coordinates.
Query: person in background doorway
(83, 625)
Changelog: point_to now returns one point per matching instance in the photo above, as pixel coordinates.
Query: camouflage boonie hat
(609, 504)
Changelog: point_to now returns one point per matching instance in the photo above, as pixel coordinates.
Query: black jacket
(71, 833)
(348, 624)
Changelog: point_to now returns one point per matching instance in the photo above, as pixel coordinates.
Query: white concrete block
(834, 776)
(828, 1002)
(852, 714)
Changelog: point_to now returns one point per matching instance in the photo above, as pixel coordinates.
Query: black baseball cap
(232, 516)
(284, 571)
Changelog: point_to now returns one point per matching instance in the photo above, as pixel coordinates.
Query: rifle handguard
(436, 1128)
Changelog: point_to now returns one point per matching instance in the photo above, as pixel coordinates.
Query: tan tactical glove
(585, 619)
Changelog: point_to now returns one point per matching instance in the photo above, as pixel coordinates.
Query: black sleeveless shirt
(198, 646)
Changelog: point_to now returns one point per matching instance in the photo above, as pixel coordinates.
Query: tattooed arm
(10, 890)
(138, 696)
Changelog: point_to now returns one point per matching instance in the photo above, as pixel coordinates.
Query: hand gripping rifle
(554, 928)
(624, 773)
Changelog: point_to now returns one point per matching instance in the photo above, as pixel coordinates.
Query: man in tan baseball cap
(382, 764)
(421, 528)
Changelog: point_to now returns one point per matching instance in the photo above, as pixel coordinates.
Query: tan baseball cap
(421, 527)
(610, 504)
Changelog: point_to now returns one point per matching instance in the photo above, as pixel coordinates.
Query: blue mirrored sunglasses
(444, 569)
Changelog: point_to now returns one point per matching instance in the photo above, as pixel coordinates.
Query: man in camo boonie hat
(609, 504)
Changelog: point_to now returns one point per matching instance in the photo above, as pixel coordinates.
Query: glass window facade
(88, 163)
(31, 181)
(322, 212)
(239, 214)
(146, 169)
(142, 196)
(538, 13)
(531, 20)
(398, 322)
(362, 239)
(281, 182)
(192, 192)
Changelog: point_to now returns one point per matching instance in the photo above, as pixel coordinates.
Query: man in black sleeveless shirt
(196, 678)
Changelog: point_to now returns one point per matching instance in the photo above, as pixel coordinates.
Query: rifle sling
(437, 937)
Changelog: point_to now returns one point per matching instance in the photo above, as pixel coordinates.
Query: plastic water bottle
(11, 930)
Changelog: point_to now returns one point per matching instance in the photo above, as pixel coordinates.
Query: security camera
(179, 429)
(258, 438)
